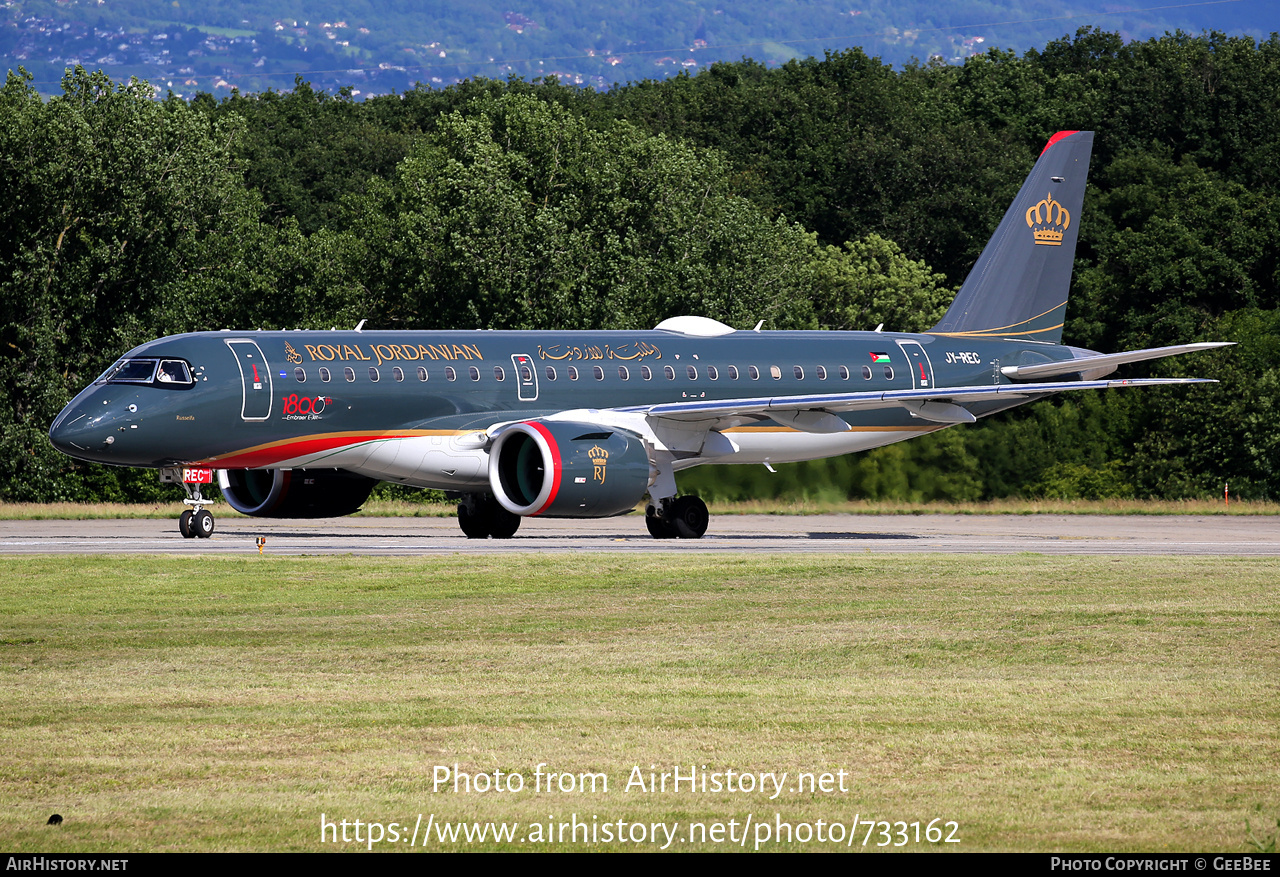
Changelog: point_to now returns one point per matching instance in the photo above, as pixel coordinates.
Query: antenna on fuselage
(360, 325)
(758, 325)
(880, 328)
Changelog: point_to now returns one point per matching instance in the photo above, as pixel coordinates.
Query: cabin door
(526, 376)
(921, 367)
(255, 378)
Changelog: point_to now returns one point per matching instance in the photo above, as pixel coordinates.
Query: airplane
(587, 424)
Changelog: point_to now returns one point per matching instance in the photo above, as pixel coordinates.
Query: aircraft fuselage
(346, 399)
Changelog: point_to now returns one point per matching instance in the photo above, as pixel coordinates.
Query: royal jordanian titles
(590, 424)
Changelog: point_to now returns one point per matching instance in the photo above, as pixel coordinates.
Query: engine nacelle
(294, 493)
(568, 470)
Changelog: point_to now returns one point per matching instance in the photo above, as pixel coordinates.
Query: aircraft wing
(816, 413)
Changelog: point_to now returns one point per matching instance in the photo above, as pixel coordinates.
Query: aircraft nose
(80, 432)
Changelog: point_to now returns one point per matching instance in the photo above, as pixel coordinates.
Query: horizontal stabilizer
(1104, 363)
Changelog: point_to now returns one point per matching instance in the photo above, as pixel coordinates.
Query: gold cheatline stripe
(993, 333)
(1013, 325)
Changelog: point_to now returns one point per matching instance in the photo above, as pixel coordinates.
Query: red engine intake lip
(550, 451)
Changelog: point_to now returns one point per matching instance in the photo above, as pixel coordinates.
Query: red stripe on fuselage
(270, 455)
(555, 464)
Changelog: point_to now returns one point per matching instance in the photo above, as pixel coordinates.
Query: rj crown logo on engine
(599, 459)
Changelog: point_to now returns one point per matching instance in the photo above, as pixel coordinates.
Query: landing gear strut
(481, 516)
(685, 517)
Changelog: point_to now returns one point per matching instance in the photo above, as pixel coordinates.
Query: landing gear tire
(202, 524)
(474, 523)
(658, 528)
(689, 517)
(482, 516)
(502, 523)
(184, 524)
(683, 518)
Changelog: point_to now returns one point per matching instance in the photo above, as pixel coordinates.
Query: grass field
(1042, 703)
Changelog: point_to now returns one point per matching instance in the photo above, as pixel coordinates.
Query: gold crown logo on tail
(1048, 220)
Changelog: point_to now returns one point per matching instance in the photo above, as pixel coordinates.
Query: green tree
(515, 213)
(124, 218)
(870, 282)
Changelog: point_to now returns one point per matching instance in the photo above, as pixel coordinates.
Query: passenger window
(713, 373)
(866, 372)
(733, 372)
(450, 374)
(822, 372)
(573, 373)
(526, 374)
(324, 374)
(754, 372)
(775, 372)
(623, 373)
(373, 374)
(474, 372)
(551, 372)
(844, 373)
(300, 375)
(398, 373)
(798, 372)
(350, 374)
(691, 372)
(598, 372)
(646, 372)
(498, 374)
(888, 372)
(669, 372)
(422, 373)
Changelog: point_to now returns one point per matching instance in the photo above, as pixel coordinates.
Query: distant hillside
(378, 46)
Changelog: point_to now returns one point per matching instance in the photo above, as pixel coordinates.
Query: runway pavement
(823, 534)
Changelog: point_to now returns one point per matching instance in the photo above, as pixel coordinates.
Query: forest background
(833, 193)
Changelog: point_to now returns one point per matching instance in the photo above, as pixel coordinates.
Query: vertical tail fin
(1019, 286)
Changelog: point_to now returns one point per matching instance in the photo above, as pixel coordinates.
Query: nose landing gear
(195, 522)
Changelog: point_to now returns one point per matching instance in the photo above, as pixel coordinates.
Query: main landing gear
(481, 516)
(685, 517)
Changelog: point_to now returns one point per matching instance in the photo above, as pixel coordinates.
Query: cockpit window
(173, 371)
(129, 371)
(147, 371)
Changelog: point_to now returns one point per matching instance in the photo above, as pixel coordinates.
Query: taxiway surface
(948, 534)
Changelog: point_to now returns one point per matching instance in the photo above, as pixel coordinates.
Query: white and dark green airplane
(300, 424)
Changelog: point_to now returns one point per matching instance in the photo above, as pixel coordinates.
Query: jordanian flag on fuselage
(880, 357)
